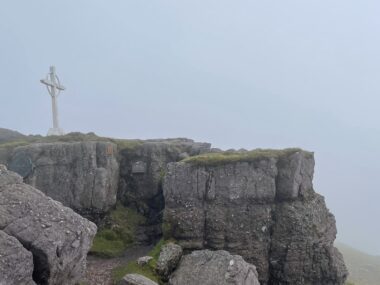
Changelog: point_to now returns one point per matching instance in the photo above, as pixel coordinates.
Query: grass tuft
(114, 240)
(214, 159)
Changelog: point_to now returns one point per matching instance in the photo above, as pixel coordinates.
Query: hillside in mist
(364, 268)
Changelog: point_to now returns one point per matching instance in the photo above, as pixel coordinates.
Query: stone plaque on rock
(139, 167)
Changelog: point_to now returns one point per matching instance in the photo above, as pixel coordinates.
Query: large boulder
(81, 175)
(168, 259)
(214, 268)
(16, 263)
(56, 236)
(142, 168)
(260, 205)
(136, 279)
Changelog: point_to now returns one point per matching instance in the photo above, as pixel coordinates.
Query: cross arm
(52, 84)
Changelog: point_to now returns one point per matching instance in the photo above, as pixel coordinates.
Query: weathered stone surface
(214, 268)
(58, 238)
(16, 263)
(136, 279)
(81, 175)
(141, 171)
(144, 260)
(264, 209)
(168, 260)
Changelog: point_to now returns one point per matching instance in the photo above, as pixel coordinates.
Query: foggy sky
(249, 74)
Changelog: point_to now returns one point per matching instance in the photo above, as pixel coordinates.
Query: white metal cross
(54, 87)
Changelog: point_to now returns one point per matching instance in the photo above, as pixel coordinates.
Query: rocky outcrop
(81, 175)
(136, 279)
(260, 205)
(56, 236)
(16, 263)
(142, 168)
(214, 268)
(168, 260)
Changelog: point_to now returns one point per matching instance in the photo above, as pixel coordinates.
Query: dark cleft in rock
(81, 175)
(56, 237)
(260, 205)
(142, 168)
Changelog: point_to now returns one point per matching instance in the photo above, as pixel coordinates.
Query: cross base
(55, 132)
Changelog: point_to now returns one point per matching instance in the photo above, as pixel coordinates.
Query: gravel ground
(99, 269)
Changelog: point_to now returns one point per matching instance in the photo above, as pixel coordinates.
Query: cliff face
(81, 175)
(260, 205)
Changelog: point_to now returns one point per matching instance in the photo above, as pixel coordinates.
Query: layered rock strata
(260, 205)
(56, 237)
(82, 175)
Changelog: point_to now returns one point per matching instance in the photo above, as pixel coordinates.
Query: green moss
(71, 137)
(155, 251)
(148, 270)
(107, 248)
(212, 159)
(167, 230)
(113, 241)
(126, 144)
(132, 267)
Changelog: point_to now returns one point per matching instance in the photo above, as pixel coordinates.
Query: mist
(238, 74)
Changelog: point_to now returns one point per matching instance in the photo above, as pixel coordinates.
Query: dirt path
(99, 269)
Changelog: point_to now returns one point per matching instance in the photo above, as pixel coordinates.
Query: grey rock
(81, 175)
(168, 260)
(16, 263)
(141, 172)
(144, 260)
(264, 209)
(136, 279)
(56, 236)
(214, 268)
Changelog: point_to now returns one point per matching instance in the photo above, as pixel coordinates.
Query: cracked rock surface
(208, 267)
(82, 175)
(56, 237)
(264, 209)
(16, 263)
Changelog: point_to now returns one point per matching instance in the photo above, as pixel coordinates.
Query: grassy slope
(113, 241)
(364, 269)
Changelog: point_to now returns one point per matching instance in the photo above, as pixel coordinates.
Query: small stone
(144, 260)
